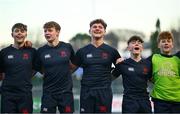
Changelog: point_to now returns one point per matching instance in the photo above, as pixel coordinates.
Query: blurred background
(124, 18)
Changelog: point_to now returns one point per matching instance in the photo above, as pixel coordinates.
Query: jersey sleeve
(116, 56)
(117, 70)
(149, 58)
(37, 64)
(149, 64)
(178, 54)
(72, 54)
(34, 55)
(78, 61)
(1, 62)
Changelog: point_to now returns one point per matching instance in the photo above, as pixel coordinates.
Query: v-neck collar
(98, 46)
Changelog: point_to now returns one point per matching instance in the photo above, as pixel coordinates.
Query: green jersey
(166, 78)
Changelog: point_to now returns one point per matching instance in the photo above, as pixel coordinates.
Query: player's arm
(119, 60)
(2, 75)
(151, 71)
(115, 72)
(27, 44)
(178, 54)
(73, 67)
(76, 61)
(73, 59)
(1, 66)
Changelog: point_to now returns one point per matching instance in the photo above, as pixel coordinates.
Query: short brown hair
(51, 24)
(19, 26)
(98, 21)
(135, 38)
(165, 35)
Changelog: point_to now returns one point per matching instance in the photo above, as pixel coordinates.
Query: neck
(166, 53)
(136, 58)
(97, 42)
(18, 45)
(54, 43)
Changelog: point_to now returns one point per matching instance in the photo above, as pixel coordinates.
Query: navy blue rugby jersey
(0, 63)
(178, 54)
(18, 65)
(54, 63)
(135, 76)
(96, 63)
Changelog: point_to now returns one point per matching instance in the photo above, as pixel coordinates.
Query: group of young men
(56, 60)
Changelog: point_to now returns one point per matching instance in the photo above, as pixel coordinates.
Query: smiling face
(165, 46)
(165, 42)
(135, 47)
(97, 31)
(19, 35)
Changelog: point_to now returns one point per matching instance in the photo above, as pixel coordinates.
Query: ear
(128, 48)
(158, 45)
(58, 32)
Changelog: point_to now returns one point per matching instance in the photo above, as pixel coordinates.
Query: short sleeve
(116, 55)
(78, 61)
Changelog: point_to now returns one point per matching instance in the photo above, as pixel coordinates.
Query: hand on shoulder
(28, 44)
(119, 60)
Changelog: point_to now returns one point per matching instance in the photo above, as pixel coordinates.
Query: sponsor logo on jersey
(82, 109)
(63, 54)
(166, 69)
(45, 109)
(10, 56)
(47, 56)
(131, 69)
(25, 56)
(89, 55)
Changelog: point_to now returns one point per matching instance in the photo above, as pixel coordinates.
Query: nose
(19, 32)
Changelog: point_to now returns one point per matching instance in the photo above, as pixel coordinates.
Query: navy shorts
(161, 106)
(130, 105)
(96, 100)
(19, 103)
(64, 102)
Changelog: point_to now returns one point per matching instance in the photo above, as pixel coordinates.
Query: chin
(20, 42)
(97, 36)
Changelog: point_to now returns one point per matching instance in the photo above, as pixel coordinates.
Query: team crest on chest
(63, 53)
(145, 70)
(104, 55)
(25, 56)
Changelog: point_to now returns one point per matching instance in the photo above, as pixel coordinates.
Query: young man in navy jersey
(53, 61)
(17, 63)
(135, 72)
(96, 59)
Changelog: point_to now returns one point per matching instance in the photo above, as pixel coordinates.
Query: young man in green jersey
(166, 69)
